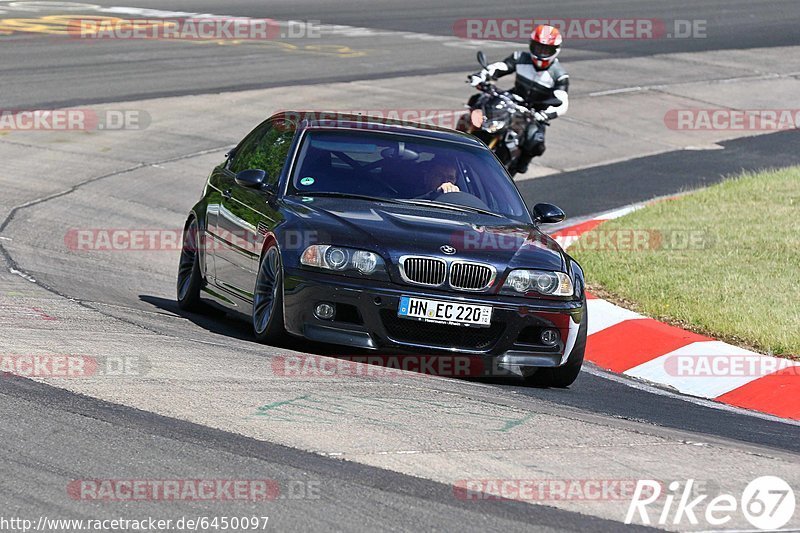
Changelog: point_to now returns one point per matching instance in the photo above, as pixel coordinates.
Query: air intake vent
(471, 276)
(423, 270)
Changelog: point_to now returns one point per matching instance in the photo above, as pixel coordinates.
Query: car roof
(332, 120)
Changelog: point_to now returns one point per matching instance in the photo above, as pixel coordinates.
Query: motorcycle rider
(539, 76)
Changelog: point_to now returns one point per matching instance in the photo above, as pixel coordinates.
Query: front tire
(190, 279)
(268, 324)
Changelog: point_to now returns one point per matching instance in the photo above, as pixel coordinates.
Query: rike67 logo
(767, 502)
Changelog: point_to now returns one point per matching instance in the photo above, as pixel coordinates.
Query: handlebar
(489, 88)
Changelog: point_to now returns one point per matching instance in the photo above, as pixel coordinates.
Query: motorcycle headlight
(340, 258)
(523, 281)
(492, 126)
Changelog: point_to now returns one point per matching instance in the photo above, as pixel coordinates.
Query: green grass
(739, 281)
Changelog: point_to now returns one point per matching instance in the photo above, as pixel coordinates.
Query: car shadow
(211, 319)
(217, 321)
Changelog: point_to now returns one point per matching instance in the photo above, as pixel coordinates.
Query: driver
(539, 76)
(439, 178)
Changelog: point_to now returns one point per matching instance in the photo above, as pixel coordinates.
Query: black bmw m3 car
(384, 236)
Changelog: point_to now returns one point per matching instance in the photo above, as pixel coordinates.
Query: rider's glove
(539, 116)
(478, 78)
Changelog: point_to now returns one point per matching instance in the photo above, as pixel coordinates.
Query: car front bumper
(367, 318)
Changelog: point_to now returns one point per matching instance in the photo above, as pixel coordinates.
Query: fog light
(324, 311)
(549, 337)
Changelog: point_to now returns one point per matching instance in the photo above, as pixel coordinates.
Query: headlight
(339, 258)
(492, 126)
(542, 281)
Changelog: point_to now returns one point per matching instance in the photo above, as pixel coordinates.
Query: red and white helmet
(545, 45)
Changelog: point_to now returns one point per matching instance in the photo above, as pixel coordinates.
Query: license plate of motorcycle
(439, 312)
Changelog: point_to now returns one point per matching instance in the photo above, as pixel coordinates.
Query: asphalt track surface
(355, 497)
(49, 422)
(46, 70)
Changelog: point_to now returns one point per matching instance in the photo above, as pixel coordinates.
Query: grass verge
(724, 261)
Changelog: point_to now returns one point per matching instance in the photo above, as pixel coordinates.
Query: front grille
(441, 335)
(424, 270)
(470, 276)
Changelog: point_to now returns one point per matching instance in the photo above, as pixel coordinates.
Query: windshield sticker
(308, 180)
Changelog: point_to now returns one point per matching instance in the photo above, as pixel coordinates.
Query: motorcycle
(499, 119)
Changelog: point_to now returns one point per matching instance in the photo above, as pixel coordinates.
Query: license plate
(453, 313)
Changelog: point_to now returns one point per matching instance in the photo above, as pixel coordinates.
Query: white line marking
(618, 91)
(617, 213)
(640, 385)
(700, 148)
(704, 358)
(23, 275)
(604, 314)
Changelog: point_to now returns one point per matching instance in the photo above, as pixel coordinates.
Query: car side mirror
(252, 178)
(482, 59)
(548, 214)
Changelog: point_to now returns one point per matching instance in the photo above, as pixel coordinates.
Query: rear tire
(563, 376)
(190, 279)
(268, 324)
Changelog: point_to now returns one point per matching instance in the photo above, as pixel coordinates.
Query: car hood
(397, 230)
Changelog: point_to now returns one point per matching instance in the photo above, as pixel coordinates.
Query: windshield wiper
(419, 202)
(331, 194)
(454, 207)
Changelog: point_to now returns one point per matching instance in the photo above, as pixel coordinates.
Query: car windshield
(411, 169)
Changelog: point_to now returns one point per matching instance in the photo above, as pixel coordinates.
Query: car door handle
(227, 194)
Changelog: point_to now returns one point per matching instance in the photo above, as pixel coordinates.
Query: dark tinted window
(405, 167)
(265, 149)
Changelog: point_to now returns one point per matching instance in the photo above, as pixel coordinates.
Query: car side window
(266, 149)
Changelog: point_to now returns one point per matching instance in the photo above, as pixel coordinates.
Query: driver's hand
(448, 187)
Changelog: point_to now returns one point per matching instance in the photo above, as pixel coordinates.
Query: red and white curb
(634, 345)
